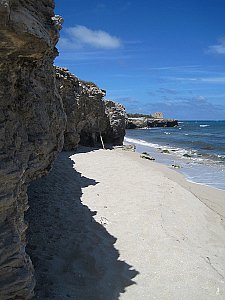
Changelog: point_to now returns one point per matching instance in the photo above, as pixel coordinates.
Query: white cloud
(217, 49)
(214, 80)
(199, 99)
(211, 80)
(174, 68)
(80, 36)
(167, 91)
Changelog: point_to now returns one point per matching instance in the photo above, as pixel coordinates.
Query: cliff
(36, 99)
(32, 122)
(88, 115)
(117, 117)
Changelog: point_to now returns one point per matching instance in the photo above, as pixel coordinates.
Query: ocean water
(197, 147)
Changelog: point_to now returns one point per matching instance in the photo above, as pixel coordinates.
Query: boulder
(127, 147)
(146, 156)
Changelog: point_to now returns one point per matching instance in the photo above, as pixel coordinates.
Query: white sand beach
(141, 232)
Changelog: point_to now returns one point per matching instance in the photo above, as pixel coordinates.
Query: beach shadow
(74, 256)
(86, 149)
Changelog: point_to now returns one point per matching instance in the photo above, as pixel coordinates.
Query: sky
(149, 55)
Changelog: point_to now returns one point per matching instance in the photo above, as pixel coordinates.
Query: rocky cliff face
(32, 122)
(88, 114)
(84, 108)
(117, 117)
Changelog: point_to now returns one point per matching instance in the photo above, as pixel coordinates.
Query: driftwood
(103, 146)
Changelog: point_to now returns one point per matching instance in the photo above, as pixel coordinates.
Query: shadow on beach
(73, 255)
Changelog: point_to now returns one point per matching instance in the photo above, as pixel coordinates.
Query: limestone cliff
(116, 114)
(88, 114)
(32, 122)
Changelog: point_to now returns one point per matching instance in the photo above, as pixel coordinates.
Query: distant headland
(135, 121)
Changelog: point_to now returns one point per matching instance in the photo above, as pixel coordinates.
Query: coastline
(203, 192)
(128, 228)
(170, 230)
(195, 169)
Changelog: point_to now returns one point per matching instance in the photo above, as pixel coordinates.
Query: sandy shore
(141, 232)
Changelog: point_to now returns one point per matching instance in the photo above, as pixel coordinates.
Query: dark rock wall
(32, 122)
(84, 108)
(68, 86)
(88, 114)
(117, 117)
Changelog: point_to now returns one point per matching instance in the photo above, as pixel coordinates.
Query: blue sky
(164, 55)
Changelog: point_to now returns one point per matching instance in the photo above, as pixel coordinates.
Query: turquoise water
(198, 147)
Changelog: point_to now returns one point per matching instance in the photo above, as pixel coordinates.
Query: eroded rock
(84, 109)
(32, 122)
(131, 148)
(88, 115)
(147, 156)
(117, 122)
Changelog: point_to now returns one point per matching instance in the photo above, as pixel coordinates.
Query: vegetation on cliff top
(139, 116)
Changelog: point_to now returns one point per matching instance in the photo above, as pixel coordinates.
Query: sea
(194, 148)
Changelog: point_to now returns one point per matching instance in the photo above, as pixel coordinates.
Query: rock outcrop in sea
(32, 124)
(144, 122)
